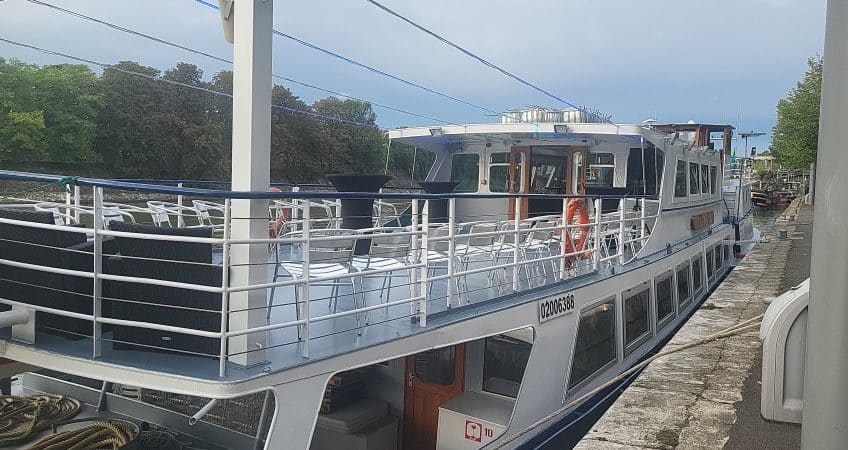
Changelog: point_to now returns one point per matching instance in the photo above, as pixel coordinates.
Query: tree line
(120, 124)
(795, 136)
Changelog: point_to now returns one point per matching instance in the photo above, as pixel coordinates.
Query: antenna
(226, 8)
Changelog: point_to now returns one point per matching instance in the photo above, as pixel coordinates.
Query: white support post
(642, 223)
(295, 214)
(622, 215)
(304, 310)
(425, 261)
(451, 249)
(76, 204)
(225, 284)
(97, 269)
(180, 200)
(253, 22)
(68, 200)
(415, 259)
(596, 257)
(564, 234)
(515, 225)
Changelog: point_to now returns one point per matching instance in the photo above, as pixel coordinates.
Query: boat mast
(252, 22)
(825, 421)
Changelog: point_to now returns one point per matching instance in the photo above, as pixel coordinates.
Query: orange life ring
(576, 209)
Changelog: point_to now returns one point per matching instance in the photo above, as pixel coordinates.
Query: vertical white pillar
(825, 421)
(253, 22)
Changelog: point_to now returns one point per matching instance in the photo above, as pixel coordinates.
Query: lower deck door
(432, 378)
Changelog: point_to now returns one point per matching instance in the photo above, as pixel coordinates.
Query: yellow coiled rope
(21, 416)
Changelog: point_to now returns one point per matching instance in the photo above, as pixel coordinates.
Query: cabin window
(665, 298)
(680, 179)
(710, 263)
(601, 170)
(436, 366)
(705, 179)
(547, 176)
(504, 362)
(719, 258)
(499, 172)
(595, 346)
(684, 291)
(694, 179)
(465, 170)
(636, 321)
(697, 273)
(714, 178)
(644, 170)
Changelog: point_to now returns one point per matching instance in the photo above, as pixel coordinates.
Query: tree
(22, 128)
(796, 133)
(356, 148)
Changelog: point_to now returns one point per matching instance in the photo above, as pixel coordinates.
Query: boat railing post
(515, 242)
(425, 262)
(596, 258)
(68, 201)
(564, 234)
(76, 204)
(304, 334)
(642, 223)
(225, 294)
(337, 212)
(97, 269)
(622, 215)
(415, 259)
(451, 249)
(295, 214)
(180, 199)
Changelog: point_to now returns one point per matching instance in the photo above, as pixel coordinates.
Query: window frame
(685, 196)
(719, 255)
(611, 299)
(700, 258)
(589, 167)
(640, 339)
(694, 195)
(683, 303)
(507, 164)
(453, 160)
(705, 180)
(667, 275)
(714, 188)
(483, 367)
(709, 259)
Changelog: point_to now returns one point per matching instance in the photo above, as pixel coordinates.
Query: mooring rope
(100, 434)
(742, 327)
(21, 416)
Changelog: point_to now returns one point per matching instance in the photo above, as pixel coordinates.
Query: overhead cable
(225, 60)
(186, 85)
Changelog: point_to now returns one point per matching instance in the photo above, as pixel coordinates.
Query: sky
(719, 61)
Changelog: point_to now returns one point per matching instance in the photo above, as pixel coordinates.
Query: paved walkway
(692, 399)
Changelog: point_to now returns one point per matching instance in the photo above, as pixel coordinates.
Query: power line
(186, 85)
(370, 68)
(224, 60)
(488, 63)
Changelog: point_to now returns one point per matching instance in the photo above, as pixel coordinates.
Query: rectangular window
(595, 346)
(637, 323)
(499, 172)
(465, 170)
(697, 274)
(694, 179)
(504, 361)
(684, 291)
(436, 366)
(680, 179)
(665, 298)
(719, 258)
(705, 179)
(714, 178)
(601, 170)
(710, 263)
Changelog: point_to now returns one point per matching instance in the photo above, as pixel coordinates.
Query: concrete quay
(708, 397)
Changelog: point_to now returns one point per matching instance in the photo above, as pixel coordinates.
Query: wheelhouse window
(644, 170)
(665, 298)
(714, 178)
(697, 273)
(499, 172)
(547, 176)
(694, 179)
(680, 179)
(637, 324)
(601, 170)
(504, 362)
(595, 346)
(684, 286)
(465, 170)
(705, 179)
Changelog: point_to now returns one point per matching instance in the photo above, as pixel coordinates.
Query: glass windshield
(547, 175)
(680, 179)
(465, 170)
(499, 172)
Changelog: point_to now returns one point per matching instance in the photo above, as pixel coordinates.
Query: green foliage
(796, 133)
(140, 127)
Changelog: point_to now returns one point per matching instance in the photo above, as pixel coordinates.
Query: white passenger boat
(565, 253)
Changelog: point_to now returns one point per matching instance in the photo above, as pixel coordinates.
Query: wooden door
(519, 178)
(575, 170)
(432, 378)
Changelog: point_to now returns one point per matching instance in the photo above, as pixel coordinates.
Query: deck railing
(136, 291)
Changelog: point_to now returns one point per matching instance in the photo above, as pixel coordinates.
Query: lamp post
(746, 136)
